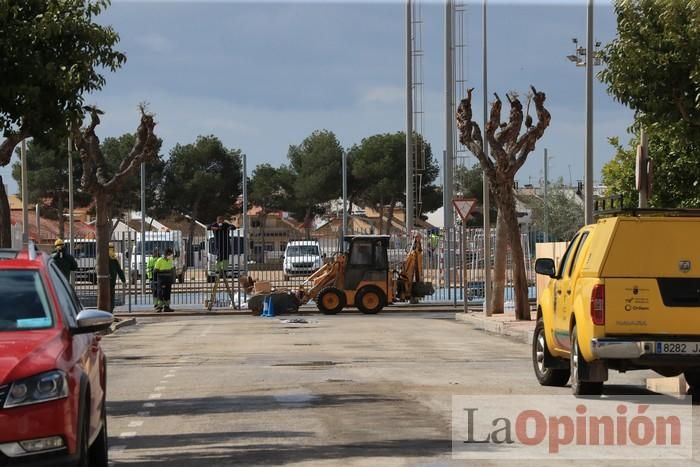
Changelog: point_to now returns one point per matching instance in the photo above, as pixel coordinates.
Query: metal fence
(453, 261)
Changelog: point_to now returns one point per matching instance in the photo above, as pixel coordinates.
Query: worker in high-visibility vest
(164, 273)
(149, 275)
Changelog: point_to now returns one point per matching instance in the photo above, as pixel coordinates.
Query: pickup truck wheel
(331, 300)
(578, 387)
(546, 376)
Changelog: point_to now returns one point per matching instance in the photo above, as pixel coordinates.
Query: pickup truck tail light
(598, 304)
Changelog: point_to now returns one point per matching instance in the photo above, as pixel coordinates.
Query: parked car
(52, 369)
(625, 296)
(301, 258)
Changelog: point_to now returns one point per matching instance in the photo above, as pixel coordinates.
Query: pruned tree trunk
(5, 218)
(307, 223)
(509, 151)
(97, 181)
(499, 267)
(103, 230)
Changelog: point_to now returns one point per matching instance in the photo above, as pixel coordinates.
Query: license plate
(678, 348)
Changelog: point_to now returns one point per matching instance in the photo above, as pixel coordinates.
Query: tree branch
(144, 149)
(10, 142)
(526, 143)
(470, 134)
(508, 135)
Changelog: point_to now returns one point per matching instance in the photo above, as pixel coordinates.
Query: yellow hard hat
(58, 242)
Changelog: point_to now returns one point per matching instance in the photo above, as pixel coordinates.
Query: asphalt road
(340, 390)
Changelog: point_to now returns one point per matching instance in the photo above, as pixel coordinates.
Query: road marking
(155, 396)
(136, 423)
(145, 413)
(165, 381)
(118, 448)
(149, 404)
(169, 375)
(159, 388)
(127, 434)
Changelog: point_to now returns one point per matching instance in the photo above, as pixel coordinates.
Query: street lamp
(580, 58)
(579, 55)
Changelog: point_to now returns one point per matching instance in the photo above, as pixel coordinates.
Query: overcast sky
(264, 75)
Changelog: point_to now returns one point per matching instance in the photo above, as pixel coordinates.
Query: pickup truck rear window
(680, 292)
(23, 301)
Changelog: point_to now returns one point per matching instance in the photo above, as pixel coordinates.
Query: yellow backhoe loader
(361, 277)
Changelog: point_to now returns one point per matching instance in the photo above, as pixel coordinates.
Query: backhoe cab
(361, 277)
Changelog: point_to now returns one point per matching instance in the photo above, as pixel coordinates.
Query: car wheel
(578, 387)
(286, 277)
(181, 278)
(370, 299)
(210, 279)
(98, 452)
(540, 353)
(83, 448)
(331, 300)
(692, 377)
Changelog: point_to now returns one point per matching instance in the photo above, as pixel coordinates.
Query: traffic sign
(464, 206)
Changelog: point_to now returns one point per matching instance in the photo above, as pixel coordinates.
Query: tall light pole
(409, 122)
(70, 202)
(245, 214)
(345, 195)
(448, 176)
(546, 182)
(486, 204)
(143, 228)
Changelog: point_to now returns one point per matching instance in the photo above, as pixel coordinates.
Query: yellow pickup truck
(625, 296)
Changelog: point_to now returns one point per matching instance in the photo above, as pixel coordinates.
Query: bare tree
(102, 185)
(509, 151)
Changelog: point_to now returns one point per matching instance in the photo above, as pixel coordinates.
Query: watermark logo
(564, 427)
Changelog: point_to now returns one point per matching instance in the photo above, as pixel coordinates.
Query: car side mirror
(92, 320)
(282, 256)
(545, 266)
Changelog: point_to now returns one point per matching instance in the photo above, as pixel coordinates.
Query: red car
(52, 369)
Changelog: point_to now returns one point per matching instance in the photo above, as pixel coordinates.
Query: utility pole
(245, 215)
(642, 170)
(345, 195)
(143, 229)
(588, 174)
(409, 123)
(448, 190)
(25, 194)
(546, 213)
(70, 201)
(38, 223)
(486, 207)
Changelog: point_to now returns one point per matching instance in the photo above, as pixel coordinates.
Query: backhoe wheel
(540, 352)
(578, 363)
(331, 300)
(370, 299)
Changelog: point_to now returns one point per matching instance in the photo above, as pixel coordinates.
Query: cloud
(156, 43)
(383, 95)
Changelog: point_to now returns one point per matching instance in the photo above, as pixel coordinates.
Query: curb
(122, 323)
(504, 328)
(305, 311)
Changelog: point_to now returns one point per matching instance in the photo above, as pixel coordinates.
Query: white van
(85, 253)
(301, 258)
(160, 240)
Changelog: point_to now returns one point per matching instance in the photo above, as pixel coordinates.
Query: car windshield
(302, 250)
(23, 301)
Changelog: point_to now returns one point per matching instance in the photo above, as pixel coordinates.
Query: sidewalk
(190, 310)
(504, 324)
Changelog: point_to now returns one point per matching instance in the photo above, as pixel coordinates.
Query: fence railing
(453, 261)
